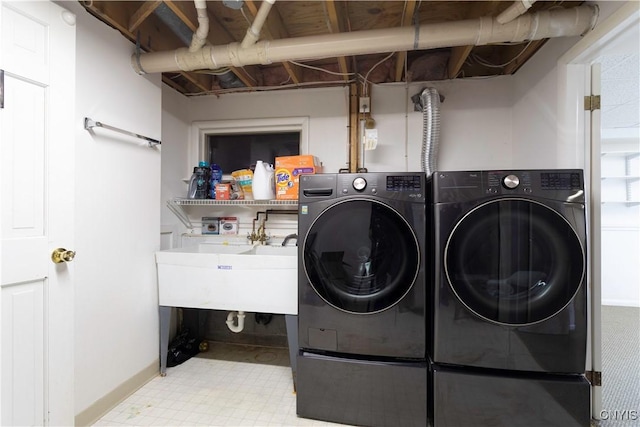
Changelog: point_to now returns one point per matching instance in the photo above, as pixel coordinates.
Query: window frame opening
(200, 130)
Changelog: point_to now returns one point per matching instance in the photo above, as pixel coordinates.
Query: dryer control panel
(560, 184)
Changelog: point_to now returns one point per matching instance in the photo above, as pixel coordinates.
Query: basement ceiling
(167, 25)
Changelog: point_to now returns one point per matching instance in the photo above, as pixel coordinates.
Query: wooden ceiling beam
(520, 56)
(169, 81)
(142, 13)
(273, 29)
(405, 20)
(113, 13)
(337, 26)
(202, 81)
(217, 36)
(459, 55)
(186, 11)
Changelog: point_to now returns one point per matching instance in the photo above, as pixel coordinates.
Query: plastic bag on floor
(182, 348)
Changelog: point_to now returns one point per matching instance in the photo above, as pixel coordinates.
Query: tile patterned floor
(234, 385)
(211, 392)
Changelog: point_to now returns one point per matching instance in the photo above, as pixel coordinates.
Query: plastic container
(199, 182)
(263, 186)
(215, 178)
(244, 179)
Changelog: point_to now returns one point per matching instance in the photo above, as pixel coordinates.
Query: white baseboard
(109, 401)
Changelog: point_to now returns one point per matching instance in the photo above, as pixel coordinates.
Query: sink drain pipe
(233, 327)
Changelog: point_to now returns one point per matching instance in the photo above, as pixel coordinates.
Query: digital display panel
(404, 183)
(560, 181)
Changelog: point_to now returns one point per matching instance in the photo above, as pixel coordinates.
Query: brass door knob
(61, 255)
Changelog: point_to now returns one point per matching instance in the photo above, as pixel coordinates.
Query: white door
(37, 56)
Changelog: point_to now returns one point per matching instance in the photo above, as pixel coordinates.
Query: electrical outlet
(365, 104)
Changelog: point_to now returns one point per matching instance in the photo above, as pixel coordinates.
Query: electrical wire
(486, 63)
(335, 73)
(216, 72)
(270, 88)
(245, 16)
(366, 77)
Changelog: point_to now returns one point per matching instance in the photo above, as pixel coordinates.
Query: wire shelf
(213, 202)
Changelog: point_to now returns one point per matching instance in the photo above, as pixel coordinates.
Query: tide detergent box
(288, 171)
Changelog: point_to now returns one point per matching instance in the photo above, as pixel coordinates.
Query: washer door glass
(361, 256)
(514, 262)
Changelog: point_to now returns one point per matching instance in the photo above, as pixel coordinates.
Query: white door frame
(575, 130)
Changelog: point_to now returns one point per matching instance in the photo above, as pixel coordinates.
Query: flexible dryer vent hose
(430, 100)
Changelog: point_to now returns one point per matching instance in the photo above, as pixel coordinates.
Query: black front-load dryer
(361, 299)
(509, 287)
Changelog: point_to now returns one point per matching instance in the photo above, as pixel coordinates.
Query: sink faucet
(289, 237)
(262, 235)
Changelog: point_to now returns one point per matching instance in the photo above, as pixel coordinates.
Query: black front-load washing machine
(361, 298)
(509, 297)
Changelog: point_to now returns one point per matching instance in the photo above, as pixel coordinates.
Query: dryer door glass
(361, 256)
(514, 262)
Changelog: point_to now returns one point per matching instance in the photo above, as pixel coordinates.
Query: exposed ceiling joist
(145, 23)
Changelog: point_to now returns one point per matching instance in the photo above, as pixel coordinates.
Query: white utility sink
(258, 279)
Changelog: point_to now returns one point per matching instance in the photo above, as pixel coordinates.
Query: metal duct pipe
(545, 24)
(516, 9)
(430, 99)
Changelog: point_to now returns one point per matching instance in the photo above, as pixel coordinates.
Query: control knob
(511, 181)
(359, 183)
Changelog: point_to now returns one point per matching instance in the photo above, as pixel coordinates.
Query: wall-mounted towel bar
(89, 124)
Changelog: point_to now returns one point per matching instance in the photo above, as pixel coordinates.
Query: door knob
(61, 255)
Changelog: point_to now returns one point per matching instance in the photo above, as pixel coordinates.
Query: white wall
(327, 109)
(118, 219)
(538, 127)
(484, 105)
(175, 144)
(540, 131)
(535, 113)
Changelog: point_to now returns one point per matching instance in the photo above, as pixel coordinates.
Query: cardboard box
(210, 225)
(228, 225)
(223, 191)
(287, 174)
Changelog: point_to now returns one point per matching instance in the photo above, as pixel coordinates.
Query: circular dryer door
(514, 262)
(361, 256)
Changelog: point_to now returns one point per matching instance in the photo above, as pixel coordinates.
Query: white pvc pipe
(200, 36)
(230, 323)
(516, 9)
(545, 24)
(253, 32)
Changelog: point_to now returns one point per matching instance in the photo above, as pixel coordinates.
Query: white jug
(263, 182)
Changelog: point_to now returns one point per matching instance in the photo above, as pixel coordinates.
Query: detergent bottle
(263, 184)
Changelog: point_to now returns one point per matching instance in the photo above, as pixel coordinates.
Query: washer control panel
(511, 181)
(400, 185)
(499, 182)
(359, 183)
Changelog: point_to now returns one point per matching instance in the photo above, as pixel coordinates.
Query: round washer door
(361, 256)
(514, 262)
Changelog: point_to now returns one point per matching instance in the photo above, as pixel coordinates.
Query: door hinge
(594, 377)
(591, 102)
(1, 88)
